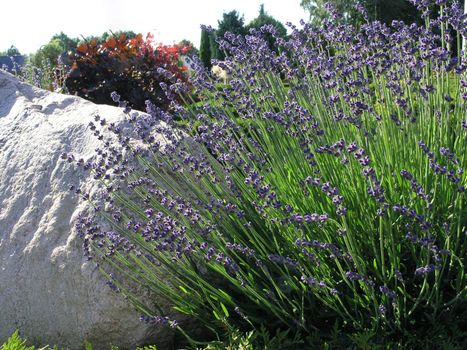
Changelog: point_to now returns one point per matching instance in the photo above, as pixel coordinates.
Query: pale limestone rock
(48, 290)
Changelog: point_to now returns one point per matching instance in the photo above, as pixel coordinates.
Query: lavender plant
(323, 186)
(45, 77)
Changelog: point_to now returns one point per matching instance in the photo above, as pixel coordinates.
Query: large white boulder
(48, 289)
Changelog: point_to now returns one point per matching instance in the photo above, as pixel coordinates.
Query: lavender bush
(47, 77)
(323, 187)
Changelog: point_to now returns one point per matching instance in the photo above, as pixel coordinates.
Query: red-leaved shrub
(128, 66)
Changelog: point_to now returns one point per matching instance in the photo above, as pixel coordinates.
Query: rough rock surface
(48, 290)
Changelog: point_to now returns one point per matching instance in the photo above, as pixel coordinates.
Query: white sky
(28, 24)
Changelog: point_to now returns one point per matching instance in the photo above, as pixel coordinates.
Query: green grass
(15, 342)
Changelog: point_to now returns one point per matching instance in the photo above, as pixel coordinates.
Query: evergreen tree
(264, 19)
(12, 51)
(205, 48)
(231, 22)
(214, 47)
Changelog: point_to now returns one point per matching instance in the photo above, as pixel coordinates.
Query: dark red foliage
(129, 67)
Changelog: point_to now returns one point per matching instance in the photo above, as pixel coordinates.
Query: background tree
(66, 42)
(387, 11)
(192, 49)
(129, 34)
(214, 46)
(383, 10)
(12, 51)
(264, 19)
(47, 55)
(231, 22)
(205, 48)
(318, 12)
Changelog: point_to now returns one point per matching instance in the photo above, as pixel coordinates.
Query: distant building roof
(8, 62)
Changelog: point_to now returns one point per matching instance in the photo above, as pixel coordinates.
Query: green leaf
(149, 347)
(225, 295)
(216, 315)
(226, 312)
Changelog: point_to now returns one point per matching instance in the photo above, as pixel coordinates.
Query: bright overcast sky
(28, 24)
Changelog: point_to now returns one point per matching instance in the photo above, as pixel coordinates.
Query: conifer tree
(265, 19)
(231, 22)
(205, 48)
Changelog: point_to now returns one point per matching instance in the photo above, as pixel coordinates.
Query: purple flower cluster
(412, 213)
(288, 261)
(425, 270)
(312, 282)
(375, 190)
(453, 175)
(416, 187)
(308, 218)
(112, 285)
(159, 320)
(354, 276)
(240, 249)
(388, 292)
(331, 248)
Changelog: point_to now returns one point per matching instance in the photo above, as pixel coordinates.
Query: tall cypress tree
(215, 52)
(205, 48)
